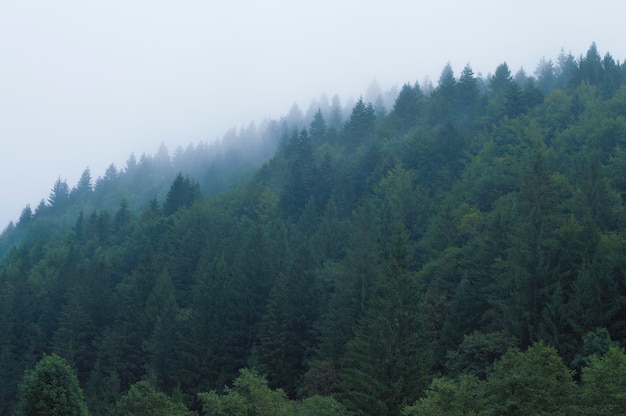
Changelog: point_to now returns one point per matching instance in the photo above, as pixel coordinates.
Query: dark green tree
(531, 263)
(467, 91)
(500, 81)
(534, 382)
(352, 281)
(163, 346)
(590, 69)
(51, 389)
(143, 399)
(604, 384)
(449, 397)
(182, 194)
(384, 366)
(513, 100)
(286, 329)
(446, 86)
(249, 396)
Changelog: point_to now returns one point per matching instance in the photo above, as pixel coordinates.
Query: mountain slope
(357, 262)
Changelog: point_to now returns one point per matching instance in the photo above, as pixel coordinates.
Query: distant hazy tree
(110, 176)
(111, 173)
(447, 83)
(84, 185)
(60, 194)
(613, 76)
(500, 80)
(513, 103)
(131, 163)
(501, 91)
(317, 128)
(51, 389)
(163, 156)
(444, 98)
(122, 216)
(467, 88)
(406, 107)
(546, 75)
(567, 70)
(26, 216)
(361, 124)
(335, 119)
(295, 118)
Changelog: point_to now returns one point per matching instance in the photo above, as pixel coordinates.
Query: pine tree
(384, 364)
(182, 194)
(360, 127)
(59, 197)
(406, 107)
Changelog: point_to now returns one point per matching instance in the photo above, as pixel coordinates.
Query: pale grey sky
(85, 83)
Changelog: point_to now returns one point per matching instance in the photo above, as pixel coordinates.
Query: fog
(85, 84)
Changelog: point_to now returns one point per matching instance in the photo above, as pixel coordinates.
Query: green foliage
(446, 397)
(534, 382)
(51, 389)
(360, 261)
(143, 399)
(477, 353)
(383, 364)
(249, 396)
(603, 389)
(319, 406)
(182, 193)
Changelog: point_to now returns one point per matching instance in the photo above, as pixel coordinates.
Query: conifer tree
(384, 362)
(361, 124)
(182, 194)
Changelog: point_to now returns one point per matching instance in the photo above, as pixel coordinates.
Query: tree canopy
(461, 254)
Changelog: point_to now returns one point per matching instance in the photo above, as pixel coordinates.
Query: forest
(462, 252)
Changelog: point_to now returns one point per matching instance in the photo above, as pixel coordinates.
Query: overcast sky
(86, 83)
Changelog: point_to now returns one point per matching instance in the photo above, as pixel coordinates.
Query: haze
(85, 84)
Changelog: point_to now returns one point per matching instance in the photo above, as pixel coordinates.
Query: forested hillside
(462, 253)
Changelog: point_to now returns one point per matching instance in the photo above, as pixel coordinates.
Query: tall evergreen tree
(406, 107)
(360, 126)
(384, 366)
(182, 194)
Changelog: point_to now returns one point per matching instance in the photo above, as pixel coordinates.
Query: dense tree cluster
(462, 254)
